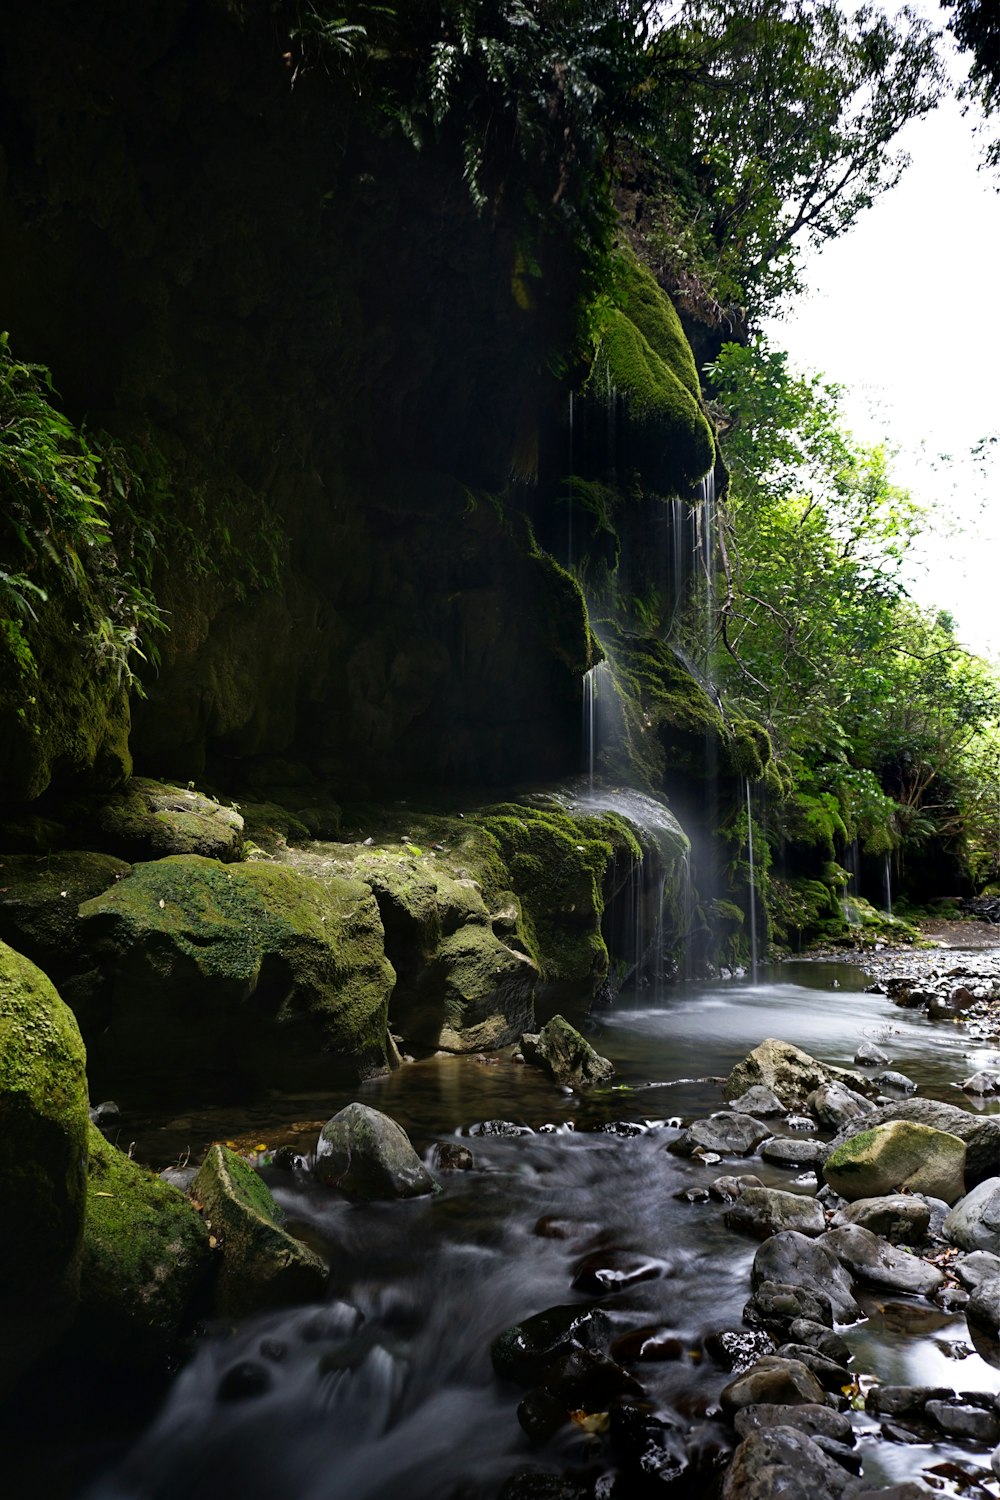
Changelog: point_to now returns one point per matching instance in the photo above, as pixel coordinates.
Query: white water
(753, 889)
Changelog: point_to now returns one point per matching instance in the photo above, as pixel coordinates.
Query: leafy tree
(975, 25)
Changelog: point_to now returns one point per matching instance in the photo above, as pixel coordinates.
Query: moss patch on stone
(146, 1258)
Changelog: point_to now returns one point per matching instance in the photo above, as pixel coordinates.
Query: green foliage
(975, 25)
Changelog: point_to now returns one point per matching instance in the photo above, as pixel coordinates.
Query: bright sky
(902, 313)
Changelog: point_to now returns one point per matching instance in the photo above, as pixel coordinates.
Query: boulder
(983, 1308)
(43, 1163)
(981, 1265)
(835, 1105)
(874, 1260)
(974, 1222)
(262, 1265)
(832, 1374)
(870, 1056)
(793, 1151)
(565, 1055)
(765, 1211)
(149, 819)
(963, 1419)
(366, 1155)
(811, 1418)
(900, 1218)
(981, 1133)
(791, 1073)
(898, 1154)
(775, 1305)
(892, 1080)
(794, 1259)
(982, 1083)
(146, 1259)
(242, 976)
(727, 1133)
(785, 1462)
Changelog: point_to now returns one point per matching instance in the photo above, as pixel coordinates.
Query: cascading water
(707, 520)
(598, 690)
(888, 886)
(753, 889)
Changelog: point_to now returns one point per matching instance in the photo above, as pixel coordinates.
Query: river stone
(981, 1265)
(149, 819)
(44, 1127)
(783, 1462)
(728, 1189)
(811, 1418)
(982, 1083)
(900, 1218)
(904, 1400)
(981, 1133)
(772, 1380)
(794, 1151)
(870, 1056)
(983, 1309)
(907, 1489)
(874, 1260)
(898, 1154)
(959, 1419)
(763, 1103)
(254, 973)
(146, 1259)
(565, 1055)
(776, 1304)
(765, 1211)
(834, 1105)
(524, 1353)
(974, 1222)
(816, 1336)
(365, 1154)
(262, 1266)
(892, 1080)
(831, 1373)
(794, 1258)
(727, 1133)
(791, 1073)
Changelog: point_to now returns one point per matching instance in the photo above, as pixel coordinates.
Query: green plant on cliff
(57, 531)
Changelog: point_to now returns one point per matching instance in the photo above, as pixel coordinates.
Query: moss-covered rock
(148, 819)
(238, 976)
(146, 1259)
(565, 1055)
(791, 1073)
(262, 1265)
(900, 1155)
(43, 1153)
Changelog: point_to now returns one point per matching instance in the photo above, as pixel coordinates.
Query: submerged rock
(365, 1154)
(565, 1055)
(262, 1266)
(898, 1154)
(43, 1163)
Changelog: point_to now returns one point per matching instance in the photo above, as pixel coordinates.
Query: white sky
(903, 313)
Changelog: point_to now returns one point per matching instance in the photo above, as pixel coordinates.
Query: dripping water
(753, 890)
(888, 886)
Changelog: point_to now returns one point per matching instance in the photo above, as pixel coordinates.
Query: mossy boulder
(565, 1055)
(43, 1155)
(146, 1259)
(791, 1073)
(262, 1265)
(238, 977)
(366, 1155)
(898, 1156)
(147, 819)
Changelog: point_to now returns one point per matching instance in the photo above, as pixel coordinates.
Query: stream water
(387, 1388)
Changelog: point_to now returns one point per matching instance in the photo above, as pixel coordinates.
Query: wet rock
(974, 1223)
(728, 1133)
(783, 1462)
(772, 1380)
(900, 1218)
(982, 1083)
(834, 1105)
(565, 1055)
(983, 1310)
(649, 1448)
(262, 1266)
(892, 1080)
(643, 1344)
(981, 1133)
(793, 1151)
(612, 1270)
(810, 1418)
(541, 1484)
(831, 1374)
(793, 1258)
(898, 1154)
(764, 1211)
(524, 1352)
(981, 1265)
(366, 1155)
(449, 1156)
(816, 1336)
(106, 1116)
(244, 1381)
(909, 1489)
(625, 1129)
(775, 1304)
(500, 1128)
(736, 1349)
(904, 1400)
(874, 1260)
(958, 1419)
(788, 1071)
(728, 1189)
(870, 1056)
(759, 1101)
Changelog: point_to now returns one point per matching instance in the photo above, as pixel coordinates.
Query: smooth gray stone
(794, 1258)
(974, 1222)
(983, 1309)
(774, 1305)
(891, 1080)
(794, 1151)
(901, 1218)
(871, 1056)
(904, 1400)
(981, 1265)
(759, 1101)
(874, 1260)
(774, 1381)
(785, 1462)
(835, 1105)
(815, 1420)
(829, 1344)
(728, 1133)
(764, 1211)
(831, 1375)
(963, 1421)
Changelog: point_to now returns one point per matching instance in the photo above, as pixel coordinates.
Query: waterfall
(598, 705)
(888, 886)
(753, 890)
(707, 519)
(853, 861)
(589, 722)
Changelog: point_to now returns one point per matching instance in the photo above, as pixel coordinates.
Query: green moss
(845, 1158)
(146, 1257)
(40, 896)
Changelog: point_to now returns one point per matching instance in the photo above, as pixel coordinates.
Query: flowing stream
(386, 1389)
